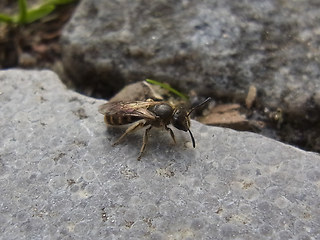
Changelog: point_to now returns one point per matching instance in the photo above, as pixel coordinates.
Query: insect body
(147, 113)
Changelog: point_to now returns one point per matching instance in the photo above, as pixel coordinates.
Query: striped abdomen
(120, 120)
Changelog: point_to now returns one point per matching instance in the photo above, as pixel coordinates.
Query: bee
(148, 114)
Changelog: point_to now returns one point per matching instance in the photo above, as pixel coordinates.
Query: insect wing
(110, 108)
(136, 109)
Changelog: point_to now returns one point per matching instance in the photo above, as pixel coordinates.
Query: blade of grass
(6, 18)
(22, 17)
(59, 2)
(167, 87)
(25, 16)
(40, 12)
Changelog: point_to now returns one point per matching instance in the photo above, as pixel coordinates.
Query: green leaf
(6, 18)
(22, 17)
(37, 13)
(168, 87)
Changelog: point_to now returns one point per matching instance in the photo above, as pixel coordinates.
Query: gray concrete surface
(60, 178)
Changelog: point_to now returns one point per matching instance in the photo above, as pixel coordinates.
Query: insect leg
(132, 128)
(145, 140)
(171, 133)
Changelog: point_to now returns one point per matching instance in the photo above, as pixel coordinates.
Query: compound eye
(180, 120)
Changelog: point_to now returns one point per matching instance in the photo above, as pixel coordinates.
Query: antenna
(199, 105)
(192, 138)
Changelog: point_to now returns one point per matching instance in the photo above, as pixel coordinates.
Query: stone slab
(60, 178)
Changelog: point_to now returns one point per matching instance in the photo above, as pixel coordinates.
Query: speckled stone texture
(60, 178)
(215, 47)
